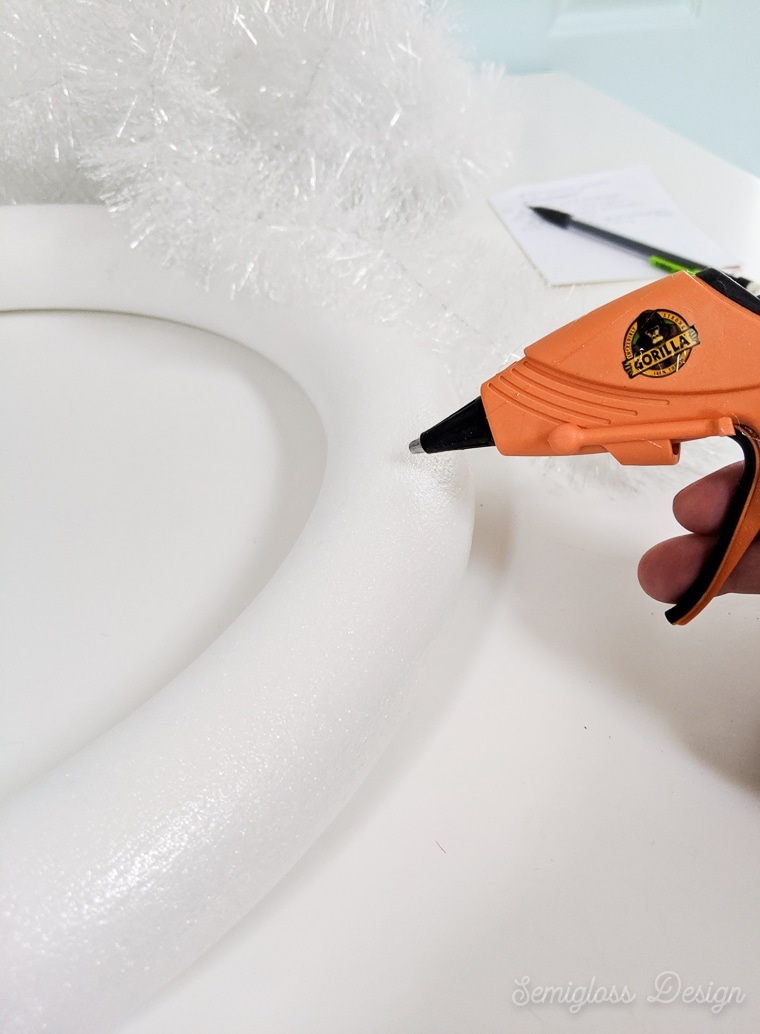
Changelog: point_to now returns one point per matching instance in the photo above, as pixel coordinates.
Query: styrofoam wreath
(122, 865)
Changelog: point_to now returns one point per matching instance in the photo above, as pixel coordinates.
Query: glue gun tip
(415, 446)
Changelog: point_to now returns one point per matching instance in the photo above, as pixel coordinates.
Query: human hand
(668, 569)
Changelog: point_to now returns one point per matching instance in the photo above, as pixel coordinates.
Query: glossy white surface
(575, 794)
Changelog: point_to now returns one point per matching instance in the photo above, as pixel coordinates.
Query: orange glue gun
(671, 362)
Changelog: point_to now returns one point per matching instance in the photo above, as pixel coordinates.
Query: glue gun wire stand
(675, 361)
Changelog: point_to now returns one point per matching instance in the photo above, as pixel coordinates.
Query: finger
(668, 569)
(702, 507)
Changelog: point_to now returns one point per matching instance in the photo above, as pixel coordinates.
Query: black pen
(665, 261)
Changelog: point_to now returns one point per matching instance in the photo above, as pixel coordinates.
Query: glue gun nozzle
(466, 429)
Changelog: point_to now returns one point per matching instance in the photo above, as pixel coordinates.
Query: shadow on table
(582, 598)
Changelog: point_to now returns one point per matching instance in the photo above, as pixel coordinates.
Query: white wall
(694, 65)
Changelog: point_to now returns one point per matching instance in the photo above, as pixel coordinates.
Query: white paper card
(629, 201)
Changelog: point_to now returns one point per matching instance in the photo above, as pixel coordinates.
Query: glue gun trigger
(740, 527)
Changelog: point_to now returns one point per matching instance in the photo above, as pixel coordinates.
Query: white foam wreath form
(125, 863)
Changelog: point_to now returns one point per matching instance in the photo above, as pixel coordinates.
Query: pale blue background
(693, 65)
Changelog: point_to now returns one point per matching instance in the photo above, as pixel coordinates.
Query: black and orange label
(658, 343)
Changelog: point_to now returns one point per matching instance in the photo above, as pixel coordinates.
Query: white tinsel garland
(290, 149)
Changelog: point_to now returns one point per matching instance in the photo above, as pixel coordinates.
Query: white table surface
(574, 795)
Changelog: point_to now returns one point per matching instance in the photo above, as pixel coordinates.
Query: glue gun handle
(741, 525)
